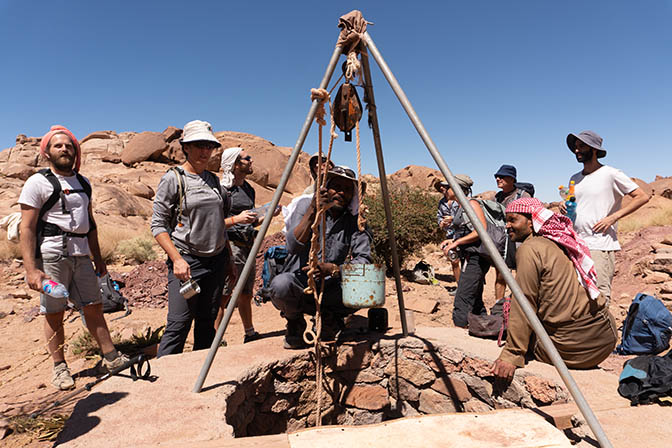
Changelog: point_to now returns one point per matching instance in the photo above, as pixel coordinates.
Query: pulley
(347, 109)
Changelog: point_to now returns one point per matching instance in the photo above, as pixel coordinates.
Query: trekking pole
(518, 294)
(251, 259)
(140, 360)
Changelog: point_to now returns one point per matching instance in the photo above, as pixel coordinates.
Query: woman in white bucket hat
(188, 222)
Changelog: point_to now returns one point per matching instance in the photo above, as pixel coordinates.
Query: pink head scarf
(558, 228)
(57, 129)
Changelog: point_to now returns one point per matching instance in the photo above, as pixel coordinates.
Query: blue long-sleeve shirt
(447, 208)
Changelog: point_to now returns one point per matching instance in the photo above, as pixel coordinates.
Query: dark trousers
(469, 293)
(209, 273)
(287, 295)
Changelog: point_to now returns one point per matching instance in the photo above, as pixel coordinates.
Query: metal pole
(368, 85)
(518, 294)
(251, 259)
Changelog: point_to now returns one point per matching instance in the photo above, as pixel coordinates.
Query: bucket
(363, 285)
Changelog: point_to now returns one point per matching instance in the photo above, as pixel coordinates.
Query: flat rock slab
(519, 428)
(120, 412)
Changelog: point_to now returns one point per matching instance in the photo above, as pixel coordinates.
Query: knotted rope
(318, 233)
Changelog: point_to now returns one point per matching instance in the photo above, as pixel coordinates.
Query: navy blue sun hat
(507, 170)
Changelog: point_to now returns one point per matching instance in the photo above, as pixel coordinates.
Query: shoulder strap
(86, 187)
(55, 195)
(181, 189)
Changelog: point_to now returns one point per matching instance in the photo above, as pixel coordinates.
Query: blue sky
(493, 81)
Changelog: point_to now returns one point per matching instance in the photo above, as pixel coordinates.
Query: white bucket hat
(198, 131)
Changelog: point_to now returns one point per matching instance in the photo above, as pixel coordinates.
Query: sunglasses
(248, 158)
(204, 145)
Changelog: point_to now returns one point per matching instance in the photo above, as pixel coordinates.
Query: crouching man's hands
(503, 372)
(324, 270)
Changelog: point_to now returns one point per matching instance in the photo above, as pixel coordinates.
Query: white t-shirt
(37, 191)
(599, 194)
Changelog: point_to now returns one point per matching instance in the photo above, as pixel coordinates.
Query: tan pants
(604, 266)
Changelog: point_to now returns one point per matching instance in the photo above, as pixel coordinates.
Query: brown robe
(581, 329)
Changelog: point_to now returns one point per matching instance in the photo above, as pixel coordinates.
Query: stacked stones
(373, 381)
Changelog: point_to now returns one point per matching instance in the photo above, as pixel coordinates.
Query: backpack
(274, 262)
(47, 229)
(524, 186)
(495, 218)
(647, 327)
(646, 378)
(112, 299)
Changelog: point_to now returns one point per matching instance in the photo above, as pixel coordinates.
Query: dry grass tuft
(43, 428)
(109, 237)
(655, 217)
(138, 249)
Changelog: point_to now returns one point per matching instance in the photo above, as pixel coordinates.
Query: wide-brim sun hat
(198, 131)
(438, 184)
(464, 180)
(507, 170)
(346, 173)
(590, 138)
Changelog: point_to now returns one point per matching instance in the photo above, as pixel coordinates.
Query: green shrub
(414, 222)
(139, 249)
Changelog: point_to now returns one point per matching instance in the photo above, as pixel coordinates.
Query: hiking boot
(116, 362)
(251, 337)
(294, 334)
(62, 378)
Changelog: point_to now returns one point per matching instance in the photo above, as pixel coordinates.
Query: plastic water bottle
(570, 203)
(115, 285)
(54, 289)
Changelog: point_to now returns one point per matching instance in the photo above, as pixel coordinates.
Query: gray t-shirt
(205, 205)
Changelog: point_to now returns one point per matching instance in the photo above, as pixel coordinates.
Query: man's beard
(584, 156)
(63, 163)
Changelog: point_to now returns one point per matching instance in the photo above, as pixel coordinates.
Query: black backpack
(47, 229)
(524, 186)
(112, 299)
(646, 378)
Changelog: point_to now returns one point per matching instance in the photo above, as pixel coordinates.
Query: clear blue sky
(493, 81)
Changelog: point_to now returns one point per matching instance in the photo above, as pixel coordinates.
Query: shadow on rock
(81, 422)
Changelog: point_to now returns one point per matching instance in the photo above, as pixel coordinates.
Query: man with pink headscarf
(58, 234)
(556, 273)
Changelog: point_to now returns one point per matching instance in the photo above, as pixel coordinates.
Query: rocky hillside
(125, 168)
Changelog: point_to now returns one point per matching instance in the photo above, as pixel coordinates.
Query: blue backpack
(274, 261)
(647, 327)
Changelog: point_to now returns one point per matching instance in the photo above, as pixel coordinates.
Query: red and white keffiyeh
(559, 228)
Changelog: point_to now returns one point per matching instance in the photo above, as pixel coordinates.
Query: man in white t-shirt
(56, 245)
(599, 191)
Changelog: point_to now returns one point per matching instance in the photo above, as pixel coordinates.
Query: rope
(318, 230)
(361, 218)
(352, 66)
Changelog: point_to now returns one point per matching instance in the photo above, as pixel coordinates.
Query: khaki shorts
(240, 255)
(605, 262)
(77, 274)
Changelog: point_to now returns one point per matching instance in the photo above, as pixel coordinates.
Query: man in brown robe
(570, 307)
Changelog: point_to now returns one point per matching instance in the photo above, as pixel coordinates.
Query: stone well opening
(371, 381)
